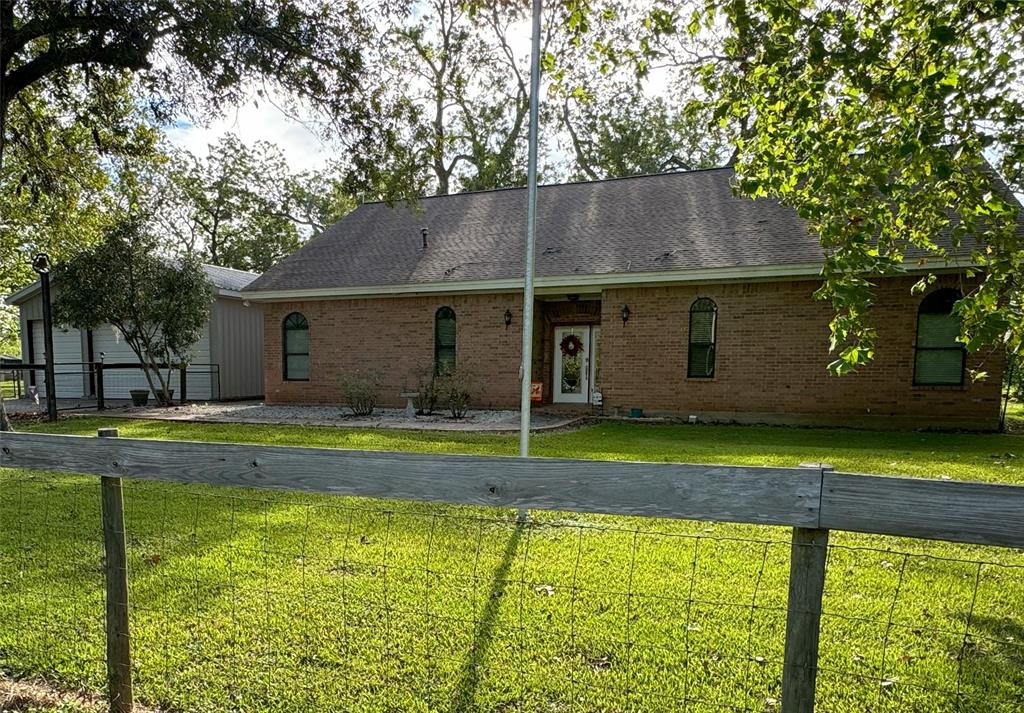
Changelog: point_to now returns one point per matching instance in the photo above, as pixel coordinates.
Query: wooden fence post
(119, 658)
(809, 552)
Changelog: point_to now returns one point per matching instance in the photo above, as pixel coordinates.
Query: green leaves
(877, 121)
(237, 207)
(159, 306)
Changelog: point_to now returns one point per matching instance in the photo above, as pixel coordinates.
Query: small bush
(425, 400)
(360, 392)
(454, 390)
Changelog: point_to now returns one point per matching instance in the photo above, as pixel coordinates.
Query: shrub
(360, 392)
(454, 389)
(426, 390)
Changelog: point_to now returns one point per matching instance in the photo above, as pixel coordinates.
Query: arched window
(938, 356)
(444, 340)
(703, 323)
(296, 347)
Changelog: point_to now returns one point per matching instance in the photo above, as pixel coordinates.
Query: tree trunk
(163, 394)
(3, 125)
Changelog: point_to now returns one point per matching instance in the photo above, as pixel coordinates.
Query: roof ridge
(232, 269)
(568, 183)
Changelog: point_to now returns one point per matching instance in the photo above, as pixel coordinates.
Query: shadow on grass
(465, 691)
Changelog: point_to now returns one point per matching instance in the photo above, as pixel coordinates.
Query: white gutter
(28, 292)
(556, 284)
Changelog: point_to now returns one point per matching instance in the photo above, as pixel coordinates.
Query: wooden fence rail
(954, 511)
(810, 500)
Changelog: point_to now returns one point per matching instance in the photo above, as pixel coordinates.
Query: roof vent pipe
(423, 232)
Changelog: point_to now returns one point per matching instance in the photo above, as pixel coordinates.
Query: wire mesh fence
(92, 383)
(245, 599)
(11, 385)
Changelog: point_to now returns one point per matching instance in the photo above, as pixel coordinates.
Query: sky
(262, 121)
(253, 122)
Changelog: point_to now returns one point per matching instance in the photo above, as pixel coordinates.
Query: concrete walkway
(339, 416)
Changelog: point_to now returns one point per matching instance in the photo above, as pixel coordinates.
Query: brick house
(664, 293)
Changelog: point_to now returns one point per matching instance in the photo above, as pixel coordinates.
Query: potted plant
(140, 397)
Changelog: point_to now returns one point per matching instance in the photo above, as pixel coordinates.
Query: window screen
(296, 348)
(444, 341)
(703, 325)
(938, 356)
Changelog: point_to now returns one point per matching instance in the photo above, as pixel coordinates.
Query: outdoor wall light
(41, 263)
(625, 313)
(508, 318)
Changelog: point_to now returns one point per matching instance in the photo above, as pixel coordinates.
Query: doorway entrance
(575, 363)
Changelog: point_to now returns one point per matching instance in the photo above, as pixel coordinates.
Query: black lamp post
(41, 264)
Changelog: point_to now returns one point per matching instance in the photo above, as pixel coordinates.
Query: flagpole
(531, 234)
(525, 369)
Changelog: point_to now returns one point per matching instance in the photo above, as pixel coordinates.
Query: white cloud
(302, 148)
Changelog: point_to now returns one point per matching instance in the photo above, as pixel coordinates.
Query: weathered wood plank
(779, 496)
(808, 555)
(957, 511)
(119, 657)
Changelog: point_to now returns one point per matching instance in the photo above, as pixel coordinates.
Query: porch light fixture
(508, 318)
(625, 313)
(41, 263)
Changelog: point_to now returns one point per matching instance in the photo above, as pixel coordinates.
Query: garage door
(69, 372)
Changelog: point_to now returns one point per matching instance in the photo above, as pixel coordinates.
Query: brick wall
(394, 336)
(772, 353)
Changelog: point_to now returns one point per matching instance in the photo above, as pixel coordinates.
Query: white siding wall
(232, 339)
(118, 382)
(69, 373)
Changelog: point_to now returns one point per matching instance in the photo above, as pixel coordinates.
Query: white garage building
(226, 362)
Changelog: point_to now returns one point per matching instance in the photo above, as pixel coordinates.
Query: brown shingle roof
(663, 222)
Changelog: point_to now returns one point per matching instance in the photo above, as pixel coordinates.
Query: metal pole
(51, 382)
(525, 370)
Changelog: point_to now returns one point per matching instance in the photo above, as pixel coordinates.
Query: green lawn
(248, 600)
(8, 389)
(1015, 416)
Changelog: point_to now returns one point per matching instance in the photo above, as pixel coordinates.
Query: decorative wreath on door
(571, 345)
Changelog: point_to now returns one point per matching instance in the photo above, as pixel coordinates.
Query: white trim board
(557, 284)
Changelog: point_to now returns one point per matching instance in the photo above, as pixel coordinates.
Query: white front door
(572, 365)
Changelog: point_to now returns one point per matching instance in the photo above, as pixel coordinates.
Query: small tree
(159, 307)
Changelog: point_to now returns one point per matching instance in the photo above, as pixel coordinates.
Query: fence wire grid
(78, 383)
(272, 601)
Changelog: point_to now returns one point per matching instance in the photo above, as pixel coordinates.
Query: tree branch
(127, 56)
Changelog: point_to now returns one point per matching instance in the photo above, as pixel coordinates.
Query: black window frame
(698, 307)
(285, 328)
(445, 312)
(936, 303)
